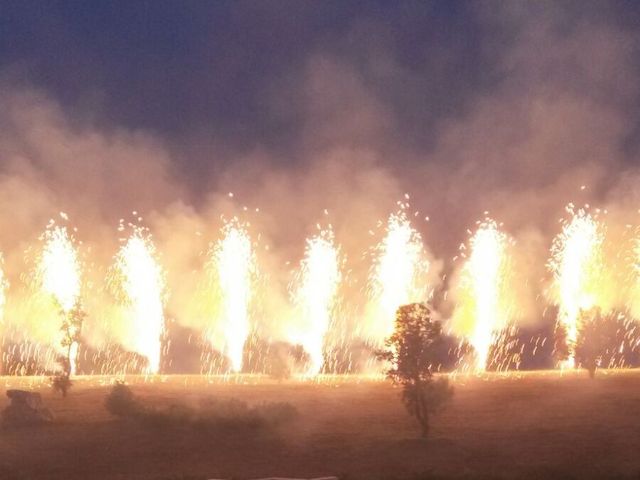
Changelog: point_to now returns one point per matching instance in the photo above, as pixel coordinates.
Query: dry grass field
(537, 425)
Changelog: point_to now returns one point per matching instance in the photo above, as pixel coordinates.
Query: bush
(214, 414)
(121, 402)
(61, 384)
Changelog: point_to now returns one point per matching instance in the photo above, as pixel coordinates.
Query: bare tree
(411, 352)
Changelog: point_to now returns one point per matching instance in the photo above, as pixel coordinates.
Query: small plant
(411, 352)
(121, 402)
(61, 384)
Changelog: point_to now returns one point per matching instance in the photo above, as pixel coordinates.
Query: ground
(537, 425)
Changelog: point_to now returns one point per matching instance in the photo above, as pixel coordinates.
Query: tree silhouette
(412, 351)
(71, 328)
(562, 346)
(599, 338)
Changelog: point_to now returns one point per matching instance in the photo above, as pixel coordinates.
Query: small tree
(61, 383)
(595, 338)
(561, 345)
(412, 351)
(121, 401)
(71, 328)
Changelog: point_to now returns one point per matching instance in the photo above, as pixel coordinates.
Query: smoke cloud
(356, 124)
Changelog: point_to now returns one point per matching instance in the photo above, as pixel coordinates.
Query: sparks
(4, 284)
(575, 264)
(59, 268)
(395, 277)
(233, 264)
(59, 274)
(482, 281)
(315, 295)
(142, 282)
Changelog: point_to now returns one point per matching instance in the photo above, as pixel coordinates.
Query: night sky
(232, 69)
(237, 74)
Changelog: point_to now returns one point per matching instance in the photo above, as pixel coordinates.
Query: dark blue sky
(175, 67)
(224, 67)
(464, 103)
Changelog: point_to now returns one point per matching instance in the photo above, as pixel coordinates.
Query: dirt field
(531, 426)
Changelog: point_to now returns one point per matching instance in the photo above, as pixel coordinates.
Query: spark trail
(481, 299)
(142, 283)
(576, 264)
(233, 265)
(396, 276)
(315, 295)
(59, 274)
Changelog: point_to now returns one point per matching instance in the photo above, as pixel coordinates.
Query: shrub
(604, 340)
(61, 383)
(214, 414)
(121, 401)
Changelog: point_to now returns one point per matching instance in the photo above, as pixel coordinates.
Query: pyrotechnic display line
(329, 315)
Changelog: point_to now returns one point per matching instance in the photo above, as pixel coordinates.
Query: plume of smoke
(551, 123)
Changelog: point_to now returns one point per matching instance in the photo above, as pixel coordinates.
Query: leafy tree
(412, 351)
(71, 328)
(121, 401)
(599, 340)
(561, 346)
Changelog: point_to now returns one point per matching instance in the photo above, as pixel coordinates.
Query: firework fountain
(232, 266)
(576, 265)
(481, 306)
(227, 308)
(59, 275)
(396, 278)
(141, 283)
(315, 295)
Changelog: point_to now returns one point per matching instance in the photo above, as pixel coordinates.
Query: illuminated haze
(341, 115)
